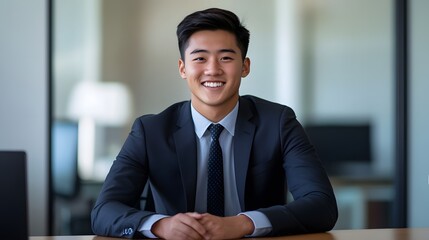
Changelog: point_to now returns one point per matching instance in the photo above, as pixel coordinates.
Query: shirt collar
(201, 123)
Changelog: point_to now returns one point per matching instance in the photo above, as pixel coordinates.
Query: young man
(260, 149)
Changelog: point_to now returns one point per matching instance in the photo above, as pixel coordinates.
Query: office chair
(13, 201)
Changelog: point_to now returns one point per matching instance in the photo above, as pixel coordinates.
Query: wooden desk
(361, 234)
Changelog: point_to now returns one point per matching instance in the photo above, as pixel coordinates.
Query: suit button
(127, 231)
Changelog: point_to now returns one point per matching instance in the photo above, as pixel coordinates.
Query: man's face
(213, 68)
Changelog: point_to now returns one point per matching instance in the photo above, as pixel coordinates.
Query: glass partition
(418, 179)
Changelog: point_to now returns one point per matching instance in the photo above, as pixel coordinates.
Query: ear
(182, 68)
(246, 67)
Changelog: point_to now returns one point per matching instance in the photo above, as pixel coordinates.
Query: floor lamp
(96, 103)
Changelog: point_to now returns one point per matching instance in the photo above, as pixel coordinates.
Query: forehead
(212, 40)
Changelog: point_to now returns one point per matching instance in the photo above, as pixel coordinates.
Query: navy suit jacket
(272, 154)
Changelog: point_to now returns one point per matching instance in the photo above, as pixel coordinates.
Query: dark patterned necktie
(215, 192)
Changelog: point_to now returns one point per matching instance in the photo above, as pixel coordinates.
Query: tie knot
(215, 130)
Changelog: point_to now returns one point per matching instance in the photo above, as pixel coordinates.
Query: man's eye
(198, 59)
(226, 58)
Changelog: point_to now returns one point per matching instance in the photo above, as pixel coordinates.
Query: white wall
(23, 96)
(418, 172)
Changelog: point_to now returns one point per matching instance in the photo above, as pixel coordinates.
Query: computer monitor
(65, 178)
(341, 145)
(13, 200)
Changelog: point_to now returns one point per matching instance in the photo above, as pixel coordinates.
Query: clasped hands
(202, 226)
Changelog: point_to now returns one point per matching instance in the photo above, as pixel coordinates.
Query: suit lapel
(184, 139)
(244, 132)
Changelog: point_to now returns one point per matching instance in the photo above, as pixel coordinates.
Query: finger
(195, 215)
(186, 233)
(176, 227)
(193, 223)
(208, 218)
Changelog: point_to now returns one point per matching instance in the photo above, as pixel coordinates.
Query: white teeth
(213, 84)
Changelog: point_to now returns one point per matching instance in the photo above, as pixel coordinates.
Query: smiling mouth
(213, 84)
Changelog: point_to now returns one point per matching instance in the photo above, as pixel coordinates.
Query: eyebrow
(228, 50)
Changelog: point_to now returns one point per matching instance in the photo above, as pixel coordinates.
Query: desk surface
(356, 234)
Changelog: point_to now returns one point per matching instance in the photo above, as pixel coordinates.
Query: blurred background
(332, 61)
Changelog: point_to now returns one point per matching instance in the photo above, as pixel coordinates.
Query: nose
(213, 68)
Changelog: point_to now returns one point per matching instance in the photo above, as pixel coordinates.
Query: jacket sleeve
(116, 211)
(314, 208)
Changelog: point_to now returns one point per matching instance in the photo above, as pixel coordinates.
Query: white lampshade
(96, 103)
(107, 103)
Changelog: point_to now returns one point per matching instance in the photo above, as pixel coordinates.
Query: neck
(215, 113)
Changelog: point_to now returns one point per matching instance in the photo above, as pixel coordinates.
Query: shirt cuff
(262, 225)
(146, 226)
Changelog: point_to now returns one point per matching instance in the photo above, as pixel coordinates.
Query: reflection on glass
(419, 116)
(329, 60)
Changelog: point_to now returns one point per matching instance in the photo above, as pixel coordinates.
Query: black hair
(212, 19)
